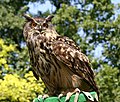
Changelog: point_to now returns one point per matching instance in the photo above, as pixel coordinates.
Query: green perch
(82, 98)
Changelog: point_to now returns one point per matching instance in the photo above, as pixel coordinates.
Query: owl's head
(38, 24)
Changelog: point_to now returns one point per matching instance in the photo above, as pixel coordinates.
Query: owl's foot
(43, 97)
(69, 94)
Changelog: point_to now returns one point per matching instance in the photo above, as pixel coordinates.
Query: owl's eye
(45, 25)
(33, 24)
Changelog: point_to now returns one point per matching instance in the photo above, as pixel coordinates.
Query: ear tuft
(49, 18)
(28, 17)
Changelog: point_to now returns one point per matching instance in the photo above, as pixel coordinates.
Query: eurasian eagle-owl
(56, 59)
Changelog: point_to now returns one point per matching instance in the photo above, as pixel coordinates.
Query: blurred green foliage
(4, 54)
(109, 83)
(89, 23)
(13, 88)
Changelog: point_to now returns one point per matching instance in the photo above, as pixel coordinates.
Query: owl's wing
(66, 51)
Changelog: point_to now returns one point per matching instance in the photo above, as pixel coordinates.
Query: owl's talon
(76, 96)
(96, 97)
(43, 97)
(40, 96)
(60, 95)
(88, 95)
(69, 94)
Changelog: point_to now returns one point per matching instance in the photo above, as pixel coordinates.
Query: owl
(57, 60)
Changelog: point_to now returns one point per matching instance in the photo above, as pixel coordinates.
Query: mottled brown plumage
(56, 59)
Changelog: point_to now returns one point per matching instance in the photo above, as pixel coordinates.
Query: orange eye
(33, 24)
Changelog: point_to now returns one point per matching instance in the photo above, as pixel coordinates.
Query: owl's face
(36, 24)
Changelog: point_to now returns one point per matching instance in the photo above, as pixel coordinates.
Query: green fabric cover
(82, 98)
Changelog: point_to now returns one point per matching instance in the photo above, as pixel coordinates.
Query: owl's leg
(69, 94)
